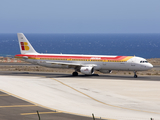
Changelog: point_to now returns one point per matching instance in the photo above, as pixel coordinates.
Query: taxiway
(107, 96)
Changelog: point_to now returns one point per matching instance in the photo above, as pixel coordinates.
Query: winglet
(25, 46)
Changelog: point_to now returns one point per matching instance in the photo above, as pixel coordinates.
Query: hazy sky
(80, 16)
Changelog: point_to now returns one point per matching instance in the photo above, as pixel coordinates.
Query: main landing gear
(135, 75)
(75, 74)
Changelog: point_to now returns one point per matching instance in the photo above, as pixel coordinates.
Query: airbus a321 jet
(85, 64)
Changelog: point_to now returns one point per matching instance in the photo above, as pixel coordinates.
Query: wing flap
(71, 64)
(63, 63)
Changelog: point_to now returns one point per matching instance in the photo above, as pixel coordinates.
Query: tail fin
(25, 46)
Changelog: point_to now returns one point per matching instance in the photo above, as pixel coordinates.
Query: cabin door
(133, 62)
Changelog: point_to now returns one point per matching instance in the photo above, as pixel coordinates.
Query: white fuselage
(85, 64)
(133, 64)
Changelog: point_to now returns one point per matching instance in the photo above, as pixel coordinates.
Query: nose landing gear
(135, 75)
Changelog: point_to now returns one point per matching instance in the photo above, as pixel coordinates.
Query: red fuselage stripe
(73, 57)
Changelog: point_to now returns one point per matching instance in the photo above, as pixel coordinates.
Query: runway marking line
(36, 104)
(4, 95)
(103, 102)
(46, 106)
(17, 106)
(39, 113)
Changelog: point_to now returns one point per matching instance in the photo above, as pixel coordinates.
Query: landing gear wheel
(75, 74)
(135, 75)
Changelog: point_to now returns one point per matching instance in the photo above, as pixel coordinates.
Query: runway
(13, 108)
(107, 96)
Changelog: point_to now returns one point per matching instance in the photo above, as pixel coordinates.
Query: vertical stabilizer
(25, 46)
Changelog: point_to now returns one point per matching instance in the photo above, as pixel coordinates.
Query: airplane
(85, 64)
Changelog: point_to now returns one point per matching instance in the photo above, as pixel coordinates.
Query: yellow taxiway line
(103, 102)
(4, 95)
(36, 104)
(17, 106)
(39, 113)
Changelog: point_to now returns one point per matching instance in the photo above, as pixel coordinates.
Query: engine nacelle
(87, 70)
(105, 71)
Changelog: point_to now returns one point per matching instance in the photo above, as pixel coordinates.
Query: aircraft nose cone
(150, 66)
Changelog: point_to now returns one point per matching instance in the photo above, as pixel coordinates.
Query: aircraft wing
(72, 65)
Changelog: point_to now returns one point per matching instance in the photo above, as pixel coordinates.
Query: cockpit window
(143, 61)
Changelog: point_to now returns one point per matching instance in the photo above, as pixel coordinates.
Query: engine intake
(87, 70)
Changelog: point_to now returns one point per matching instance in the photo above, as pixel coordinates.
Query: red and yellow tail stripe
(24, 46)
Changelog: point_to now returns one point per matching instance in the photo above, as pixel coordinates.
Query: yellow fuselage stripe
(92, 60)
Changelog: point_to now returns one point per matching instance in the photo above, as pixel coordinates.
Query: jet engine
(87, 70)
(105, 71)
